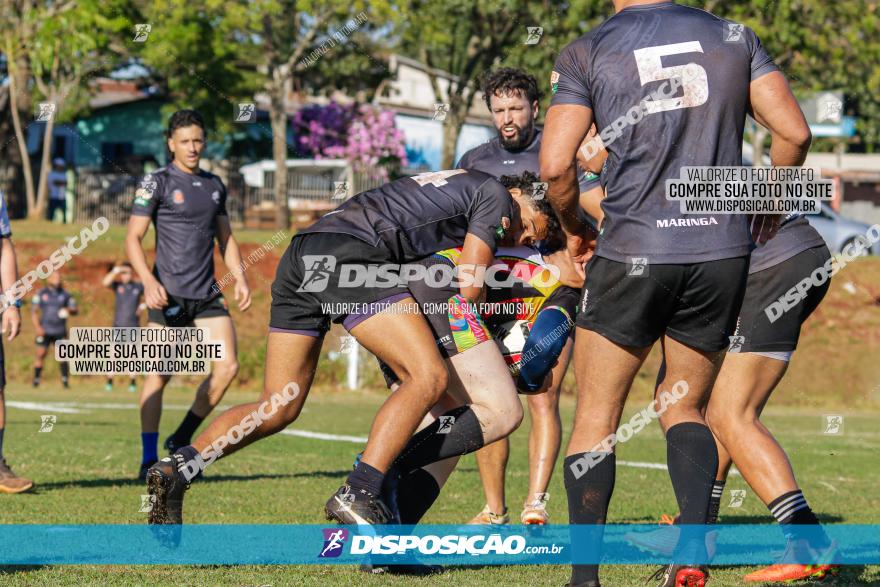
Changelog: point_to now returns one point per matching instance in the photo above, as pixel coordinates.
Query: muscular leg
(743, 388)
(545, 435)
(211, 390)
(290, 358)
(151, 397)
(492, 464)
(604, 372)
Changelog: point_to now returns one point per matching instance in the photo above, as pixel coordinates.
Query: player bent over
(374, 231)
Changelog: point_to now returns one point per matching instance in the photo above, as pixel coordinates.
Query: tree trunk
(279, 153)
(20, 139)
(451, 129)
(45, 165)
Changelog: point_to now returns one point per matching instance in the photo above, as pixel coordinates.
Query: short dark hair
(525, 183)
(509, 80)
(183, 118)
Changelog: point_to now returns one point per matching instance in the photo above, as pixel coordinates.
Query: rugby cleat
(535, 511)
(10, 482)
(784, 571)
(166, 485)
(352, 506)
(663, 540)
(413, 570)
(680, 576)
(487, 517)
(108, 387)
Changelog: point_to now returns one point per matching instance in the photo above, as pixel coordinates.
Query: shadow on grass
(128, 482)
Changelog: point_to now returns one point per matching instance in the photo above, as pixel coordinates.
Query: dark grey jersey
(50, 302)
(669, 87)
(416, 216)
(184, 208)
(128, 297)
(495, 160)
(795, 235)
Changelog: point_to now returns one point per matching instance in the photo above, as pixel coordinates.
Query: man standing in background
(57, 180)
(127, 307)
(52, 305)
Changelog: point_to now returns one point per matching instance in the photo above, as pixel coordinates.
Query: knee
(428, 380)
(507, 416)
(226, 371)
(543, 406)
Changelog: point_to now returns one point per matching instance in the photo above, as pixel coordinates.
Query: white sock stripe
(717, 491)
(791, 509)
(787, 501)
(777, 511)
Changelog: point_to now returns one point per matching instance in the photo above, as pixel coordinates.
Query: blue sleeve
(5, 228)
(543, 347)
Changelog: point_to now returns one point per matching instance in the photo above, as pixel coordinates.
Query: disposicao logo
(334, 538)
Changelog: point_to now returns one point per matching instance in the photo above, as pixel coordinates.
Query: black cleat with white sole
(167, 485)
(358, 507)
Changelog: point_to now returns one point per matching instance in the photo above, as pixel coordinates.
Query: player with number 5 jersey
(668, 86)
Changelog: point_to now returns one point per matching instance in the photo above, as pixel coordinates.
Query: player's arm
(564, 130)
(71, 306)
(568, 273)
(232, 259)
(775, 107)
(476, 256)
(36, 311)
(154, 293)
(9, 275)
(110, 278)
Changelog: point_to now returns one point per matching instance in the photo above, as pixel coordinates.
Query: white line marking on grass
(322, 436)
(43, 407)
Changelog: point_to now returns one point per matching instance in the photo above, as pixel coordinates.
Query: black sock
(692, 459)
(109, 381)
(455, 433)
(589, 482)
(792, 510)
(1, 444)
(715, 501)
(193, 465)
(65, 370)
(38, 371)
(367, 478)
(416, 493)
(186, 429)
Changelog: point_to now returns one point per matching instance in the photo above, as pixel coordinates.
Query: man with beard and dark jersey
(512, 97)
(652, 278)
(188, 208)
(316, 283)
(127, 307)
(50, 308)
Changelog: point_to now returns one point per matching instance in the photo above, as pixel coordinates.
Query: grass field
(84, 472)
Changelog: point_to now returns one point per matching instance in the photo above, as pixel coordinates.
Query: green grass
(84, 469)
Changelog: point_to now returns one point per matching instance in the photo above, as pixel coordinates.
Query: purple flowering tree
(364, 135)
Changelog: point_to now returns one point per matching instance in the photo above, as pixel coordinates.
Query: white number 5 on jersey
(691, 77)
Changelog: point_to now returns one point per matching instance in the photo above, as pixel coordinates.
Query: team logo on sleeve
(554, 81)
(503, 227)
(144, 193)
(215, 195)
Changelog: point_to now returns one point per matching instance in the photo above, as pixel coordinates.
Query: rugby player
(529, 314)
(751, 370)
(188, 208)
(670, 69)
(127, 307)
(9, 481)
(395, 224)
(512, 96)
(50, 308)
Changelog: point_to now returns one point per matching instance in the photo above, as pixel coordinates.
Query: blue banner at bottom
(435, 544)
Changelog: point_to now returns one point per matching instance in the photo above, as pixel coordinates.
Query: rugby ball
(511, 338)
(63, 313)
